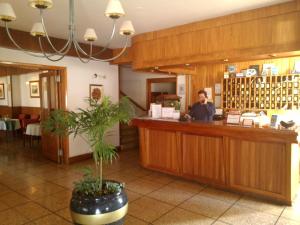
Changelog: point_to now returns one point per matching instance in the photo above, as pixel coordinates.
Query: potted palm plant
(95, 200)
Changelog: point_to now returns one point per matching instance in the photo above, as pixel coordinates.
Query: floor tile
(32, 211)
(182, 217)
(13, 199)
(148, 209)
(171, 195)
(12, 217)
(143, 186)
(292, 212)
(284, 221)
(65, 213)
(220, 195)
(206, 206)
(240, 215)
(261, 205)
(159, 177)
(132, 196)
(52, 203)
(130, 220)
(187, 186)
(52, 220)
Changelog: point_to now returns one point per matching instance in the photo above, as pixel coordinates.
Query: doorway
(161, 88)
(49, 88)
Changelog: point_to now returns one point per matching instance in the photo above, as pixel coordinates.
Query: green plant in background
(92, 124)
(175, 104)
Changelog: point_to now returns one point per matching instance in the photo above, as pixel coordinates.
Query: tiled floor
(34, 191)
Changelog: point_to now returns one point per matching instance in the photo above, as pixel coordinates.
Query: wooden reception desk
(259, 161)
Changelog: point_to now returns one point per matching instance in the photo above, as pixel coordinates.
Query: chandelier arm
(59, 52)
(109, 40)
(18, 46)
(78, 53)
(115, 57)
(50, 55)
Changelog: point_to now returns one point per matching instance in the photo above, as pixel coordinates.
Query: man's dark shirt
(203, 112)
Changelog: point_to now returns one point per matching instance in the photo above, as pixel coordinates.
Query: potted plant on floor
(95, 200)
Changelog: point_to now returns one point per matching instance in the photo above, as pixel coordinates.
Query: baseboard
(79, 158)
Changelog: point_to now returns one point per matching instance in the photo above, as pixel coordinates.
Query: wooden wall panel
(208, 75)
(163, 150)
(5, 111)
(249, 161)
(239, 36)
(203, 158)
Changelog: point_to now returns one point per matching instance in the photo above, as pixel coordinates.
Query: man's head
(202, 96)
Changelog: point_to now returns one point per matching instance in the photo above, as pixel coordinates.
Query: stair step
(130, 146)
(129, 140)
(129, 132)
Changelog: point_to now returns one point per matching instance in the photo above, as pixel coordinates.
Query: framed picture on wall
(96, 92)
(34, 89)
(2, 91)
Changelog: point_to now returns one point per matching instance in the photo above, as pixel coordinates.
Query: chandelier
(114, 11)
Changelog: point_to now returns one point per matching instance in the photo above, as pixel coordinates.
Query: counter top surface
(219, 128)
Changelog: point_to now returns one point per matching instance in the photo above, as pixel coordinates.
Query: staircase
(129, 135)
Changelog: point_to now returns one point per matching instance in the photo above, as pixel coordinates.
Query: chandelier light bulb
(37, 30)
(114, 9)
(41, 4)
(90, 35)
(127, 28)
(7, 13)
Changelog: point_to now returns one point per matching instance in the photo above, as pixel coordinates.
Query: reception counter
(258, 161)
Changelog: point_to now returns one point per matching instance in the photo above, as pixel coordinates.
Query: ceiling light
(156, 67)
(226, 60)
(187, 64)
(114, 11)
(4, 62)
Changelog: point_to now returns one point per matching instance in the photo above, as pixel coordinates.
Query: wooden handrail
(133, 102)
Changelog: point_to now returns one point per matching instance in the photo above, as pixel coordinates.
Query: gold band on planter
(99, 219)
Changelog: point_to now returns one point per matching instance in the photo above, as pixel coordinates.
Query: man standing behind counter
(202, 110)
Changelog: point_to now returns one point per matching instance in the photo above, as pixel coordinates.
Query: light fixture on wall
(114, 11)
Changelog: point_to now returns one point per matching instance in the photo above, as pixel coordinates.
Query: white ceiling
(146, 15)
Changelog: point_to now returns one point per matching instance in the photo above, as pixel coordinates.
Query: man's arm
(211, 109)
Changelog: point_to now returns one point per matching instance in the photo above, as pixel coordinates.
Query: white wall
(7, 90)
(21, 90)
(79, 77)
(134, 84)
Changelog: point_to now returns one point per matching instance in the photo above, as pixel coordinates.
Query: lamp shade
(114, 9)
(127, 28)
(41, 4)
(7, 13)
(90, 35)
(37, 30)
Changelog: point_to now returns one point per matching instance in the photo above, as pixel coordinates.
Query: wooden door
(50, 100)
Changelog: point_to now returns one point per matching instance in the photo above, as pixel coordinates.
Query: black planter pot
(107, 209)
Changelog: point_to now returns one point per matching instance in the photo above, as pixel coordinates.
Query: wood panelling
(259, 166)
(163, 151)
(208, 75)
(5, 111)
(203, 157)
(31, 110)
(126, 58)
(26, 41)
(239, 36)
(262, 162)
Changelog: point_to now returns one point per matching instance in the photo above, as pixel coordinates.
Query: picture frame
(96, 92)
(2, 91)
(34, 89)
